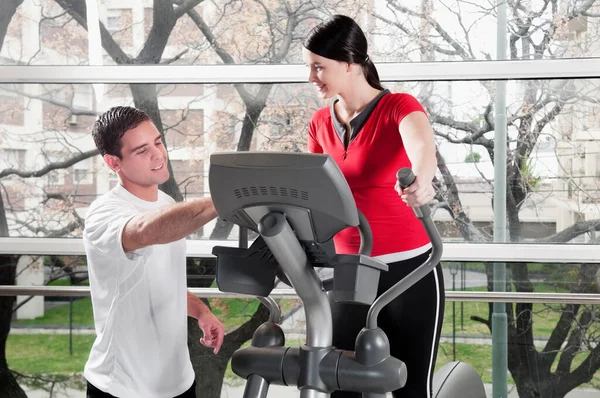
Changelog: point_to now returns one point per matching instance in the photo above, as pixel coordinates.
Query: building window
(113, 18)
(56, 177)
(82, 172)
(12, 158)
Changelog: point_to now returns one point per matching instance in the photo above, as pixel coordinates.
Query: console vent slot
(270, 191)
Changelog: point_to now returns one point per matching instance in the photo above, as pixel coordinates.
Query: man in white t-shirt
(134, 240)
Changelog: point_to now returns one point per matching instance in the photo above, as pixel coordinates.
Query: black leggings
(93, 392)
(412, 323)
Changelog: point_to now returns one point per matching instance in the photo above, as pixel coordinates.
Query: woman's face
(328, 76)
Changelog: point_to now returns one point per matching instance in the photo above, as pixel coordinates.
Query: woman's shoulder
(322, 114)
(401, 104)
(401, 97)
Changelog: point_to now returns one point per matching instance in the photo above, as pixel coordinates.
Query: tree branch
(486, 322)
(573, 344)
(7, 10)
(272, 26)
(49, 167)
(220, 50)
(468, 231)
(63, 197)
(163, 22)
(570, 233)
(77, 10)
(458, 49)
(475, 138)
(423, 42)
(583, 10)
(49, 100)
(553, 25)
(210, 37)
(185, 6)
(584, 372)
(259, 316)
(287, 39)
(175, 58)
(51, 233)
(291, 312)
(559, 334)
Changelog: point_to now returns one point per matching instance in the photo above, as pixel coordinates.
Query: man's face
(143, 160)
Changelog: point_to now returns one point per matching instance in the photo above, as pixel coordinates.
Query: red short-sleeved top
(370, 163)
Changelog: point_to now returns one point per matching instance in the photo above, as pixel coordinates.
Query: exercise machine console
(297, 202)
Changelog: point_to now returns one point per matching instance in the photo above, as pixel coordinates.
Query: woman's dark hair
(341, 39)
(112, 125)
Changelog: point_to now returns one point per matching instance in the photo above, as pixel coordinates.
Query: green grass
(32, 354)
(66, 282)
(49, 354)
(535, 268)
(545, 316)
(478, 356)
(82, 315)
(38, 353)
(234, 312)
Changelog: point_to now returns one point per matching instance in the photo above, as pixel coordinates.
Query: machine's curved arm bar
(406, 178)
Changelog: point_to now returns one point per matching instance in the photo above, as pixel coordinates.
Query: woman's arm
(419, 142)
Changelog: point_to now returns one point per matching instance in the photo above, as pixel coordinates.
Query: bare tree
(17, 190)
(537, 30)
(278, 28)
(145, 98)
(7, 273)
(7, 10)
(8, 264)
(166, 16)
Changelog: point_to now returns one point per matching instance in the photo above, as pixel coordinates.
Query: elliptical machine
(297, 202)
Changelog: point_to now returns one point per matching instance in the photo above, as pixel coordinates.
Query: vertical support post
(243, 238)
(453, 271)
(499, 318)
(463, 275)
(70, 326)
(453, 320)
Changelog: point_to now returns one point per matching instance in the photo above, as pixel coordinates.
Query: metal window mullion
(461, 252)
(466, 296)
(211, 74)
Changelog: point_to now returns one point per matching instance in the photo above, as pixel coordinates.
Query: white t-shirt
(140, 305)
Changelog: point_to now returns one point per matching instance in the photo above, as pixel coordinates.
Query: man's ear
(113, 162)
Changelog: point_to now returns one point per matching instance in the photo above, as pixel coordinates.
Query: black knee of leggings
(93, 392)
(412, 323)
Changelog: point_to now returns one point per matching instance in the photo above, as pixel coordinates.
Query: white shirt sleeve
(104, 226)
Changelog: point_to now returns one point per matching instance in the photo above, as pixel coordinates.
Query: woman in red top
(372, 133)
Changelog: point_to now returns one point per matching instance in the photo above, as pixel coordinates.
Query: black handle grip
(405, 177)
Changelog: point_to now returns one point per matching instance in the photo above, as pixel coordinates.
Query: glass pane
(52, 335)
(48, 32)
(51, 172)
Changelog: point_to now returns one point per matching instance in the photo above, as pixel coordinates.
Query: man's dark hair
(110, 127)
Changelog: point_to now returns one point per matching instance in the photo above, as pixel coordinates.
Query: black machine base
(370, 369)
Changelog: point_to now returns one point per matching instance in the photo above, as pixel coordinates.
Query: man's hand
(213, 330)
(417, 194)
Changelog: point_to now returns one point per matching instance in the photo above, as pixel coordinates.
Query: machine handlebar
(405, 178)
